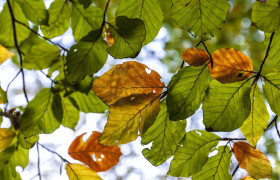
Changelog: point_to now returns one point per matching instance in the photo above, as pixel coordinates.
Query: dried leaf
(80, 172)
(6, 137)
(252, 160)
(123, 80)
(109, 38)
(4, 54)
(105, 156)
(195, 56)
(230, 65)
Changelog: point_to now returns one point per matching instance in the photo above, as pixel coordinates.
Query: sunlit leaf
(4, 54)
(230, 65)
(125, 80)
(6, 137)
(147, 10)
(3, 96)
(195, 56)
(193, 152)
(226, 106)
(248, 178)
(165, 135)
(252, 160)
(186, 91)
(105, 156)
(80, 172)
(201, 17)
(27, 143)
(254, 126)
(274, 52)
(85, 3)
(217, 167)
(129, 35)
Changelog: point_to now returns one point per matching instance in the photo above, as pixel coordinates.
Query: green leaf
(27, 143)
(254, 126)
(129, 36)
(59, 19)
(3, 96)
(193, 153)
(89, 103)
(6, 30)
(42, 115)
(272, 91)
(226, 106)
(186, 91)
(86, 57)
(201, 17)
(274, 52)
(147, 10)
(85, 3)
(266, 16)
(165, 135)
(35, 11)
(84, 21)
(217, 167)
(85, 85)
(41, 56)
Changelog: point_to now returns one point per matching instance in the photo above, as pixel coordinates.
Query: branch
(277, 130)
(8, 115)
(232, 139)
(104, 18)
(38, 163)
(233, 173)
(211, 60)
(5, 109)
(273, 120)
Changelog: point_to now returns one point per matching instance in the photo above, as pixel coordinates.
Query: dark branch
(270, 124)
(5, 109)
(38, 162)
(277, 130)
(237, 167)
(104, 18)
(211, 60)
(232, 139)
(8, 115)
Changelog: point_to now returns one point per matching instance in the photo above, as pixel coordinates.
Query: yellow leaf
(123, 80)
(4, 54)
(80, 172)
(109, 38)
(127, 116)
(195, 56)
(105, 156)
(6, 137)
(252, 160)
(230, 65)
(248, 178)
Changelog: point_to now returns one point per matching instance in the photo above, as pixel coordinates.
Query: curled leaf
(4, 54)
(195, 56)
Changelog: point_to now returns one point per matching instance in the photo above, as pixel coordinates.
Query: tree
(231, 88)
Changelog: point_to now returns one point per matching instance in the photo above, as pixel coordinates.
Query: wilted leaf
(195, 56)
(4, 54)
(6, 137)
(123, 80)
(105, 157)
(80, 172)
(252, 160)
(230, 65)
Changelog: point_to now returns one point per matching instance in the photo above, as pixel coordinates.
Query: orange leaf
(4, 54)
(110, 39)
(248, 178)
(105, 156)
(123, 80)
(195, 56)
(80, 172)
(230, 65)
(252, 160)
(6, 137)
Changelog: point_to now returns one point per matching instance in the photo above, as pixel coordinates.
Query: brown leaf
(230, 65)
(109, 38)
(123, 80)
(80, 172)
(252, 160)
(105, 156)
(6, 137)
(4, 54)
(195, 56)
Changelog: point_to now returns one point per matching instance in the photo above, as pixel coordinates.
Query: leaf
(86, 57)
(272, 91)
(266, 15)
(41, 56)
(80, 172)
(105, 156)
(42, 115)
(6, 137)
(84, 86)
(147, 10)
(201, 17)
(186, 91)
(222, 102)
(3, 96)
(248, 178)
(254, 126)
(193, 153)
(27, 143)
(85, 3)
(84, 21)
(5, 54)
(128, 116)
(195, 56)
(230, 65)
(274, 52)
(252, 160)
(59, 19)
(129, 35)
(165, 135)
(110, 40)
(35, 11)
(217, 167)
(123, 80)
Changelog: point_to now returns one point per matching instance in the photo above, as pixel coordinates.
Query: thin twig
(53, 81)
(104, 18)
(232, 139)
(211, 60)
(277, 130)
(38, 162)
(273, 121)
(233, 173)
(5, 109)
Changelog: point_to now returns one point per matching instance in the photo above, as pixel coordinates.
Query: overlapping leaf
(6, 137)
(4, 54)
(217, 167)
(165, 135)
(105, 156)
(80, 172)
(195, 56)
(226, 106)
(274, 52)
(85, 3)
(147, 10)
(193, 153)
(186, 91)
(254, 126)
(252, 160)
(3, 96)
(201, 17)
